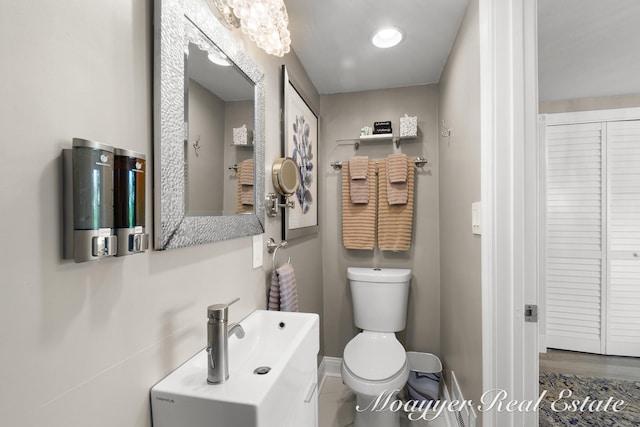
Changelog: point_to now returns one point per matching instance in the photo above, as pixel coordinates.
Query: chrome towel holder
(272, 248)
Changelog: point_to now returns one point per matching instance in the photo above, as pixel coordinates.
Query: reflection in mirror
(219, 101)
(202, 112)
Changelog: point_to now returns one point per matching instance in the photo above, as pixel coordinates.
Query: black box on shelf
(382, 127)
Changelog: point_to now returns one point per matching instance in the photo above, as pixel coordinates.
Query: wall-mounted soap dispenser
(88, 194)
(129, 206)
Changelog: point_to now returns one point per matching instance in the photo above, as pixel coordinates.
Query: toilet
(374, 362)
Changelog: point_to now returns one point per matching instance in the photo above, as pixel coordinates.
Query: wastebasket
(425, 377)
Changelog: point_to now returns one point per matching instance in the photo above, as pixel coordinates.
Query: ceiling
(587, 48)
(332, 40)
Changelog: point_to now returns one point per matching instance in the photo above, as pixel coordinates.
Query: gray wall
(83, 343)
(342, 117)
(460, 256)
(586, 104)
(587, 48)
(205, 176)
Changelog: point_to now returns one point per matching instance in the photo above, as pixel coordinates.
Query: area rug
(573, 411)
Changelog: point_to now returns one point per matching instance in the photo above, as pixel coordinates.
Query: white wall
(82, 344)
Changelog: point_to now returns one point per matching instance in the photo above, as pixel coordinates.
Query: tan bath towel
(245, 172)
(245, 191)
(359, 174)
(395, 222)
(246, 195)
(358, 220)
(396, 193)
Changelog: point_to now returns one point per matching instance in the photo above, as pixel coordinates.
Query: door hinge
(530, 313)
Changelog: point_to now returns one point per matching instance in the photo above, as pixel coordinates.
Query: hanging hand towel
(359, 220)
(274, 292)
(397, 193)
(245, 194)
(245, 186)
(359, 184)
(397, 165)
(395, 222)
(288, 288)
(359, 167)
(245, 172)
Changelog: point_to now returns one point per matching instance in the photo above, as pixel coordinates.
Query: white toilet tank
(379, 298)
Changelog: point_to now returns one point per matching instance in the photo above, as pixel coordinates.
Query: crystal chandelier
(264, 21)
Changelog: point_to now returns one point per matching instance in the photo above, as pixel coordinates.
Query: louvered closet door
(574, 246)
(623, 171)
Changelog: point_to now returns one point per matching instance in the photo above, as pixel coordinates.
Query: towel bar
(420, 162)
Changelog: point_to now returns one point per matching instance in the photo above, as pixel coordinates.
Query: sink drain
(262, 370)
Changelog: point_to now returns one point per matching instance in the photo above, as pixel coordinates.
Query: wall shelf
(379, 137)
(375, 137)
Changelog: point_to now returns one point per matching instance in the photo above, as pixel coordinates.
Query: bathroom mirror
(285, 176)
(209, 130)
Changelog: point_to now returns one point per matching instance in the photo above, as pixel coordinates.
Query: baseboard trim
(449, 418)
(329, 367)
(542, 343)
(333, 365)
(467, 414)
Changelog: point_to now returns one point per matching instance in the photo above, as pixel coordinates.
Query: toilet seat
(374, 356)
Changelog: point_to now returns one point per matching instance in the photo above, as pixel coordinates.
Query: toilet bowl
(374, 363)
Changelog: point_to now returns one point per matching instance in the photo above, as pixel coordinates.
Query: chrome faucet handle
(220, 311)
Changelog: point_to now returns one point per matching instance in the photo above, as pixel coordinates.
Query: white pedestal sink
(283, 344)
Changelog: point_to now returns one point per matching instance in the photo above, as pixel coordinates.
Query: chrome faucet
(217, 341)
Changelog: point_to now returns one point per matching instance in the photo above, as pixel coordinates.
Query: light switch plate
(476, 218)
(258, 250)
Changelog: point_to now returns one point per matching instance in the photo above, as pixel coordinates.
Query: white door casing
(509, 182)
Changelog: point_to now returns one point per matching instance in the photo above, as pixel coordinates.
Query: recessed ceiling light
(387, 37)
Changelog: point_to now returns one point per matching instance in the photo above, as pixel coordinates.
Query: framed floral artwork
(300, 142)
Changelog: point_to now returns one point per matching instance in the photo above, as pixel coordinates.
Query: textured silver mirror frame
(172, 229)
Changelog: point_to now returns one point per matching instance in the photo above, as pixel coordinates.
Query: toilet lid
(374, 356)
